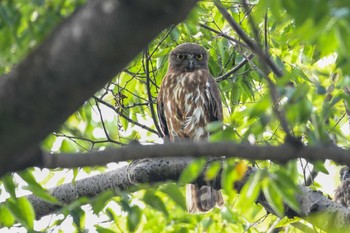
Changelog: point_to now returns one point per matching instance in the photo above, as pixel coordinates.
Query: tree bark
(146, 171)
(75, 61)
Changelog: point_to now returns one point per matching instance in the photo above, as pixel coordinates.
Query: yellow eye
(199, 57)
(181, 56)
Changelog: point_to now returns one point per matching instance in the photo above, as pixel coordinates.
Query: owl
(187, 101)
(342, 192)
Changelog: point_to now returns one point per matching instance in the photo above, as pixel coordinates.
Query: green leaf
(36, 188)
(192, 171)
(9, 185)
(23, 211)
(212, 170)
(6, 217)
(319, 166)
(229, 216)
(214, 126)
(287, 189)
(101, 229)
(99, 203)
(229, 176)
(134, 218)
(260, 107)
(272, 196)
(173, 191)
(78, 215)
(151, 199)
(250, 191)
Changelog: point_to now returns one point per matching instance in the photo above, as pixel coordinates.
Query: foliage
(308, 40)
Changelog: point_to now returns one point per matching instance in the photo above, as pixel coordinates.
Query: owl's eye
(199, 57)
(181, 56)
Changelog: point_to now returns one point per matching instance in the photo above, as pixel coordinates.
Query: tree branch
(146, 60)
(250, 43)
(336, 217)
(79, 57)
(266, 61)
(234, 69)
(120, 113)
(223, 35)
(280, 154)
(142, 171)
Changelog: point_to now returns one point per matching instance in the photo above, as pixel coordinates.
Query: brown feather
(342, 192)
(188, 100)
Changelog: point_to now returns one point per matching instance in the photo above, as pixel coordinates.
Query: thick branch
(142, 171)
(280, 154)
(165, 169)
(80, 56)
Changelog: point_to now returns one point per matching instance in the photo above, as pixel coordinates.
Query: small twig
(130, 92)
(162, 40)
(234, 69)
(148, 86)
(137, 105)
(74, 140)
(248, 10)
(223, 35)
(120, 113)
(347, 112)
(279, 113)
(265, 33)
(104, 126)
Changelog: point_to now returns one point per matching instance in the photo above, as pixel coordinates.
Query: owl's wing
(342, 193)
(161, 115)
(214, 100)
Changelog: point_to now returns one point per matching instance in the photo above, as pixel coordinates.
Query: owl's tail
(202, 199)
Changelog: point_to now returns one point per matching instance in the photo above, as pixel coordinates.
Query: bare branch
(149, 94)
(280, 154)
(104, 126)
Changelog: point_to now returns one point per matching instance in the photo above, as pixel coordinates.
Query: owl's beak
(190, 65)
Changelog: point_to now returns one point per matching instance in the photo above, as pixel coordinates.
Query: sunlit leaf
(101, 229)
(78, 215)
(192, 171)
(154, 201)
(134, 218)
(272, 196)
(212, 170)
(23, 211)
(175, 194)
(6, 217)
(36, 188)
(99, 203)
(9, 185)
(250, 191)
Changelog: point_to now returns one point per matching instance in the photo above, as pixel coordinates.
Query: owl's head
(188, 57)
(344, 173)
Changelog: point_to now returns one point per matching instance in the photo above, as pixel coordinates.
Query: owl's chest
(186, 107)
(188, 91)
